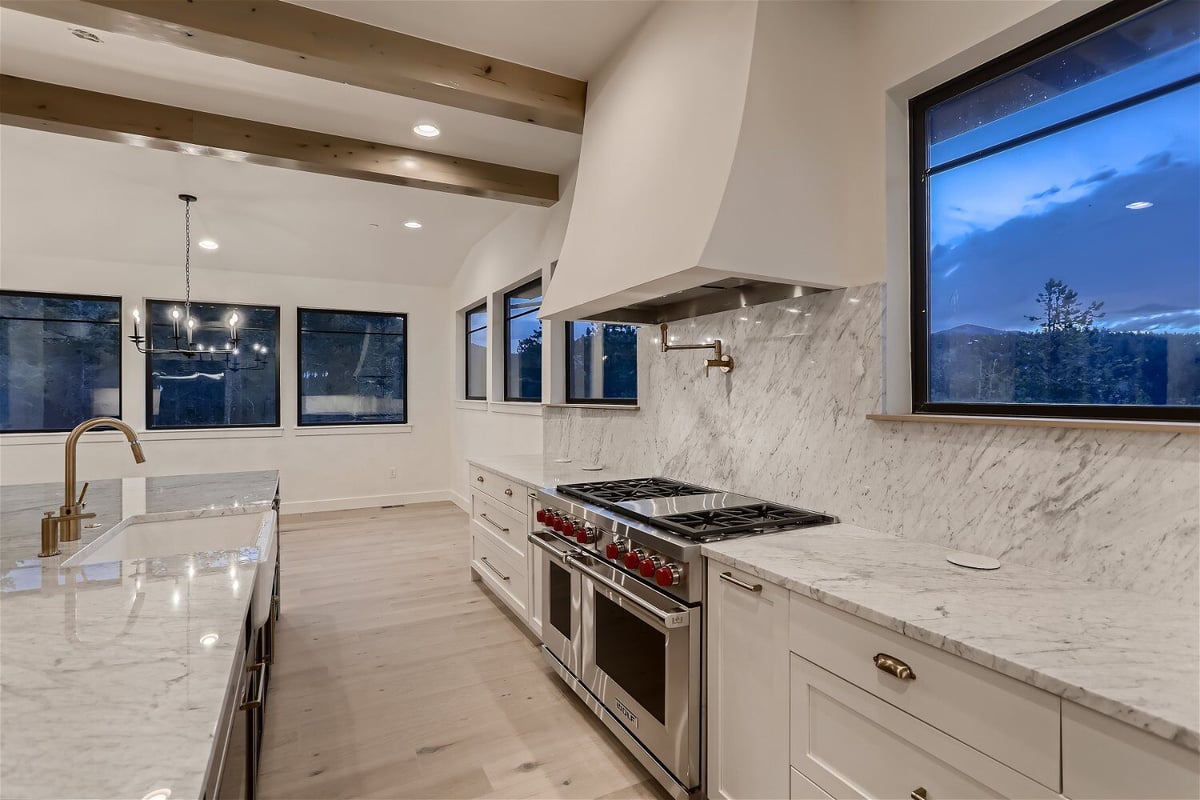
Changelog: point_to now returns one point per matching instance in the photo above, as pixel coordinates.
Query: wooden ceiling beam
(63, 109)
(272, 33)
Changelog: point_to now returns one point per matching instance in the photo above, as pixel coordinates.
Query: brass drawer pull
(492, 567)
(479, 478)
(508, 492)
(257, 702)
(894, 666)
(492, 522)
(918, 794)
(728, 578)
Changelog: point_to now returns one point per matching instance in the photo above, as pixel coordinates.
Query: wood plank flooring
(399, 677)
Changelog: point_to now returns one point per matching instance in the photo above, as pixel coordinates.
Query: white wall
(343, 469)
(517, 249)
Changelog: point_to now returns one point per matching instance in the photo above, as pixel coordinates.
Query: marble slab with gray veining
(1130, 656)
(113, 675)
(538, 471)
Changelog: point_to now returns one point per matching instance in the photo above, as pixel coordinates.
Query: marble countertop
(1130, 656)
(106, 686)
(538, 471)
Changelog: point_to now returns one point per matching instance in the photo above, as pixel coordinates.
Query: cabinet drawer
(503, 572)
(804, 789)
(507, 526)
(1105, 758)
(851, 744)
(1008, 720)
(510, 493)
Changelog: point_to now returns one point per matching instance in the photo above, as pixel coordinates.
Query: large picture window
(523, 333)
(1056, 261)
(601, 363)
(476, 322)
(214, 390)
(60, 360)
(353, 367)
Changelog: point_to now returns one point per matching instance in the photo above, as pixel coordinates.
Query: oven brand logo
(625, 712)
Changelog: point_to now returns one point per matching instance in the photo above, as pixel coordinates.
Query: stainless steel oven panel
(553, 562)
(675, 741)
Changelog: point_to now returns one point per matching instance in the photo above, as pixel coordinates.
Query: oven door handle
(559, 555)
(678, 618)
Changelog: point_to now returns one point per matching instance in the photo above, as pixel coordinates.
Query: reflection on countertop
(114, 674)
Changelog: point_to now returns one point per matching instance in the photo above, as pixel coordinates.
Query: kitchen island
(114, 676)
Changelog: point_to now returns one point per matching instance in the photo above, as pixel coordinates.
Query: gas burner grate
(610, 492)
(758, 518)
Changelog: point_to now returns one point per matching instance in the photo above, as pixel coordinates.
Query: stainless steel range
(622, 585)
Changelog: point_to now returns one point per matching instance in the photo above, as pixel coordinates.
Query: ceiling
(72, 198)
(569, 37)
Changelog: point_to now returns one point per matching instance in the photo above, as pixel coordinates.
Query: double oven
(631, 652)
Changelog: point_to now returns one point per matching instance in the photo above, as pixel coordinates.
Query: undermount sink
(153, 538)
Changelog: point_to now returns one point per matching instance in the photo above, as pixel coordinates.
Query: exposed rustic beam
(63, 109)
(283, 36)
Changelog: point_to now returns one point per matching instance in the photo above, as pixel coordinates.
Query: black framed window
(1055, 193)
(353, 367)
(475, 357)
(60, 360)
(523, 334)
(213, 390)
(601, 363)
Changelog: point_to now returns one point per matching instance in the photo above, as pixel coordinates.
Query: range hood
(713, 163)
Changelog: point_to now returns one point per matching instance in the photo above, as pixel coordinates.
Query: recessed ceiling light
(209, 639)
(427, 129)
(412, 223)
(1138, 205)
(208, 244)
(87, 36)
(158, 794)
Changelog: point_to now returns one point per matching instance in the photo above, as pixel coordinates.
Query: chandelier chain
(187, 261)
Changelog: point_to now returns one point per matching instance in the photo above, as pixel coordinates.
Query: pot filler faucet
(720, 360)
(66, 525)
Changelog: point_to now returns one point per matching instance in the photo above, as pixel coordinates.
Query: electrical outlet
(391, 472)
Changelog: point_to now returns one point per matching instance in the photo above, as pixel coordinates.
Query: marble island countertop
(540, 471)
(1130, 656)
(113, 675)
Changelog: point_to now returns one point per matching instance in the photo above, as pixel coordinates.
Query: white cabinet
(1104, 758)
(747, 686)
(501, 520)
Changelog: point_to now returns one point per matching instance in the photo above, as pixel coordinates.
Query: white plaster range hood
(714, 153)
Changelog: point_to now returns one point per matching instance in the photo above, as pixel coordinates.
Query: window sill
(601, 406)
(210, 433)
(471, 405)
(58, 438)
(1044, 422)
(350, 430)
(510, 407)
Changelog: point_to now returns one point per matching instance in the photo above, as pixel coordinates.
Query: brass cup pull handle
(918, 794)
(493, 523)
(749, 587)
(894, 666)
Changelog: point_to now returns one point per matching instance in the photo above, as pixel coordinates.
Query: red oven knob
(541, 515)
(557, 522)
(668, 575)
(649, 566)
(615, 549)
(634, 558)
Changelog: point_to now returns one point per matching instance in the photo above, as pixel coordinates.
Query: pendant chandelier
(183, 324)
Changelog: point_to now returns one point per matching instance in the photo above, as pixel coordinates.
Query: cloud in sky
(1098, 177)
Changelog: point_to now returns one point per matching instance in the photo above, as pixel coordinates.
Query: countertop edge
(1109, 707)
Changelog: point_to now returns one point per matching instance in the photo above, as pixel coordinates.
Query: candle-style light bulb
(174, 313)
(191, 324)
(175, 325)
(233, 321)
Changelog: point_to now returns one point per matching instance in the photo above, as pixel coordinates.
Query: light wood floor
(399, 677)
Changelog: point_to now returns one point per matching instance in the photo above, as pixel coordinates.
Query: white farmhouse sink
(152, 538)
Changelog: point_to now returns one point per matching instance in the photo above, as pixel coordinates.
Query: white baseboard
(370, 501)
(460, 501)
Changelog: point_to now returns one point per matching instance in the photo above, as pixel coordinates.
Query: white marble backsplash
(789, 424)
